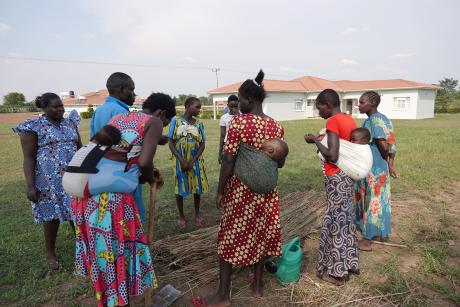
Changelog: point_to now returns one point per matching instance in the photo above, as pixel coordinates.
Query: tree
(14, 99)
(449, 85)
(442, 101)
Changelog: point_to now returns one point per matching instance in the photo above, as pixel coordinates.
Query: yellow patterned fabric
(187, 139)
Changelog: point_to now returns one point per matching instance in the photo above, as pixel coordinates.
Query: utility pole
(216, 70)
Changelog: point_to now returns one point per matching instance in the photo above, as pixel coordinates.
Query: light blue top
(111, 107)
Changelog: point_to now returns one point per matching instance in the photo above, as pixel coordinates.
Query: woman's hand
(185, 166)
(157, 178)
(33, 195)
(219, 202)
(163, 140)
(310, 138)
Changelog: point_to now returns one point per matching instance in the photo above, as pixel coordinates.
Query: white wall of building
(285, 106)
(395, 104)
(425, 103)
(79, 108)
(405, 109)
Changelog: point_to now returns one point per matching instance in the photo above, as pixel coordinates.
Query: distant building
(81, 102)
(295, 99)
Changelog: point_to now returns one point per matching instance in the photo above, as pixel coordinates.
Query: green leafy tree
(205, 100)
(441, 102)
(14, 99)
(449, 85)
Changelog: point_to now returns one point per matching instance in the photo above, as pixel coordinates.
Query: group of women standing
(364, 203)
(111, 247)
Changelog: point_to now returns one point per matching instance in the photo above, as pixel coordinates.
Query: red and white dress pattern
(249, 229)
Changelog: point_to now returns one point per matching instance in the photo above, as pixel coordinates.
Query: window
(298, 105)
(401, 103)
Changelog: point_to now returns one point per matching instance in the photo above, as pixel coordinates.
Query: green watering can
(290, 261)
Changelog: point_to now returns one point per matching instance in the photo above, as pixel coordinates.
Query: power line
(201, 68)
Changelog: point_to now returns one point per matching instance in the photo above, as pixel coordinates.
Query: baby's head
(276, 148)
(360, 136)
(107, 136)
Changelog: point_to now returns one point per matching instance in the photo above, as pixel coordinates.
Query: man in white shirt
(224, 123)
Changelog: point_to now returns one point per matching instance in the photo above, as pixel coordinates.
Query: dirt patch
(14, 118)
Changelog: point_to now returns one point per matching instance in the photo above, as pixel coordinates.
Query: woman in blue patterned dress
(48, 144)
(372, 193)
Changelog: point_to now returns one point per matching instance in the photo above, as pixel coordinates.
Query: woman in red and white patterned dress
(249, 230)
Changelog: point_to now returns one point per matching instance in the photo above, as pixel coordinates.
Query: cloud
(402, 55)
(90, 36)
(187, 59)
(4, 27)
(348, 62)
(349, 31)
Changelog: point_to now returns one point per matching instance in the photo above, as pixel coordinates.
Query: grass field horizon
(427, 152)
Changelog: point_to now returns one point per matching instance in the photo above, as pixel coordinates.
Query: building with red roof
(295, 99)
(95, 99)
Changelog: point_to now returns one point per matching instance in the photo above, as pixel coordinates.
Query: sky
(173, 46)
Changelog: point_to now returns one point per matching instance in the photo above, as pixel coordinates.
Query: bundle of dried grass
(191, 257)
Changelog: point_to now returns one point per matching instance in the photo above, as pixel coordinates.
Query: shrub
(209, 114)
(86, 115)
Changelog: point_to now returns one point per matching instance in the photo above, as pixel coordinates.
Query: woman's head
(51, 105)
(251, 93)
(193, 106)
(232, 104)
(160, 105)
(327, 102)
(368, 101)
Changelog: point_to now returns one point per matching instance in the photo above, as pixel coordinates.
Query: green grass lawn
(426, 160)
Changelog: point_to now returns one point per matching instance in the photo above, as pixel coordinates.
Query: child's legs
(180, 206)
(197, 200)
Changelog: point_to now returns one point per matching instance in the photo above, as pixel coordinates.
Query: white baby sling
(355, 160)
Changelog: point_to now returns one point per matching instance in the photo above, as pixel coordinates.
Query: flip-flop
(199, 222)
(181, 224)
(199, 301)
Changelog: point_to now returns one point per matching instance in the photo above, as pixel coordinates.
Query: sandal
(199, 301)
(199, 222)
(181, 224)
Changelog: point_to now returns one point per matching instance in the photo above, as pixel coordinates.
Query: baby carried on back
(101, 166)
(355, 157)
(258, 169)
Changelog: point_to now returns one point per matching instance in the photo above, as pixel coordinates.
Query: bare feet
(53, 263)
(257, 291)
(217, 301)
(335, 281)
(365, 245)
